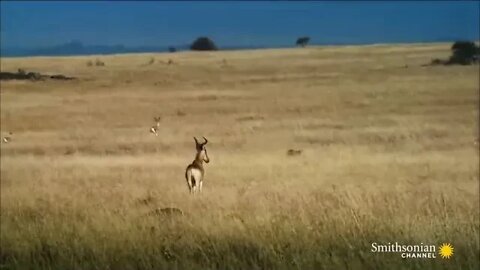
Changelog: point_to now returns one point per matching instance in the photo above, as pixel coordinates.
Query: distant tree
(172, 49)
(463, 53)
(476, 58)
(303, 41)
(203, 44)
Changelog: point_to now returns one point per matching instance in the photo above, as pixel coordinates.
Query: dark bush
(203, 44)
(33, 76)
(20, 75)
(172, 49)
(303, 41)
(463, 53)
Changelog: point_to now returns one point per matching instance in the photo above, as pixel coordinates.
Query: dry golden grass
(389, 155)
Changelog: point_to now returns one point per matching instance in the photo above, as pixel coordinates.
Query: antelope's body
(154, 129)
(195, 172)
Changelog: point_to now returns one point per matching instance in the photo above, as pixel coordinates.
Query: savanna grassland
(389, 154)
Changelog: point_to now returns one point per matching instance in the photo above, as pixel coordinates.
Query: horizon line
(245, 48)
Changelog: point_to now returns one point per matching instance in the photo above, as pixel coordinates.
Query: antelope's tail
(190, 179)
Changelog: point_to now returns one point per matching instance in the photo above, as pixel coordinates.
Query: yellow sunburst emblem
(446, 251)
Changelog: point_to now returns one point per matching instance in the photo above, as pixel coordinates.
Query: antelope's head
(201, 150)
(157, 120)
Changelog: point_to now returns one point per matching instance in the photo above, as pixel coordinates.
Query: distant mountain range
(78, 48)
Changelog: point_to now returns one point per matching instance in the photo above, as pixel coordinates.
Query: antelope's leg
(188, 175)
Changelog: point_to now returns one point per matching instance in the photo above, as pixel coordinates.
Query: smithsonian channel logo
(421, 251)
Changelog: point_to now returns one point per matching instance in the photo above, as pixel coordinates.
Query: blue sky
(136, 23)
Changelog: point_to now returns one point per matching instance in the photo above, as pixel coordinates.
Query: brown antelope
(154, 129)
(195, 171)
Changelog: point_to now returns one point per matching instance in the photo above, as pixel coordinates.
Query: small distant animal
(170, 61)
(154, 129)
(195, 172)
(181, 113)
(7, 139)
(293, 152)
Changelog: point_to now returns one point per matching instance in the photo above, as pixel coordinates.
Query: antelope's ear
(196, 142)
(206, 141)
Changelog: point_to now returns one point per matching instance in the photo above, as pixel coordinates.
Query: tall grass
(388, 156)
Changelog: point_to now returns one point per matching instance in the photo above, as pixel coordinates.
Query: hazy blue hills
(78, 48)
